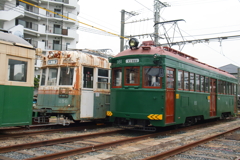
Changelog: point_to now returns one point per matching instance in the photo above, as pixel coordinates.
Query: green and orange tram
(17, 58)
(74, 85)
(154, 86)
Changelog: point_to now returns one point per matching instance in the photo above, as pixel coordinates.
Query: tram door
(170, 95)
(212, 97)
(87, 93)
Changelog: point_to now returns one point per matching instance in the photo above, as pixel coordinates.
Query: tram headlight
(133, 43)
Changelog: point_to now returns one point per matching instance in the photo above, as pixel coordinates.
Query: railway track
(189, 146)
(9, 132)
(105, 144)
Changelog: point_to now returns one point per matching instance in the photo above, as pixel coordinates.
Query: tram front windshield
(57, 76)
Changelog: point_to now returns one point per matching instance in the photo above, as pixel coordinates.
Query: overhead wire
(72, 19)
(12, 6)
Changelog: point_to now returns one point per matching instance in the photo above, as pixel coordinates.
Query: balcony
(67, 33)
(8, 15)
(29, 8)
(66, 3)
(28, 25)
(35, 43)
(59, 47)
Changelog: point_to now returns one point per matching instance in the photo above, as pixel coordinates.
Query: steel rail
(86, 149)
(93, 148)
(4, 136)
(4, 130)
(184, 148)
(108, 144)
(55, 141)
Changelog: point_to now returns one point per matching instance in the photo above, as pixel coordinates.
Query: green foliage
(36, 82)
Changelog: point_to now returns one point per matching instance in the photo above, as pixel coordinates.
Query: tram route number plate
(52, 61)
(132, 60)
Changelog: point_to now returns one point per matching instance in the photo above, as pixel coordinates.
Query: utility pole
(123, 19)
(122, 29)
(157, 7)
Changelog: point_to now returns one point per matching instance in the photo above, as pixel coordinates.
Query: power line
(81, 28)
(72, 19)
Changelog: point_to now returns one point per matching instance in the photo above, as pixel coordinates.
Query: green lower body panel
(69, 105)
(101, 105)
(15, 105)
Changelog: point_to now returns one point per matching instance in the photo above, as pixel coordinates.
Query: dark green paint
(101, 105)
(15, 105)
(137, 102)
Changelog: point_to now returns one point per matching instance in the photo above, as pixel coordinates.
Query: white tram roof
(8, 37)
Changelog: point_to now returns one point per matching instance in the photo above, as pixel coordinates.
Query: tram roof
(8, 37)
(147, 49)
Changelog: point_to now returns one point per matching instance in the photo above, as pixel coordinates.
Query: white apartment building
(40, 28)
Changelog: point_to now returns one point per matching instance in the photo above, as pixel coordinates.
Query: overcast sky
(203, 19)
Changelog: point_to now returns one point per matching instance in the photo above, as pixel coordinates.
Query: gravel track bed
(223, 148)
(153, 146)
(49, 136)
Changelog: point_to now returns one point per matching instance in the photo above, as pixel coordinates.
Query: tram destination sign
(132, 60)
(52, 61)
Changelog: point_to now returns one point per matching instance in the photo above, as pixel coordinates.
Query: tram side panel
(16, 89)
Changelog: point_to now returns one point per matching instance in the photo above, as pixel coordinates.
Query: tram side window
(132, 75)
(170, 78)
(180, 79)
(224, 87)
(230, 88)
(152, 77)
(102, 79)
(202, 83)
(234, 89)
(17, 70)
(52, 76)
(117, 77)
(220, 87)
(66, 76)
(87, 77)
(227, 88)
(206, 84)
(192, 84)
(186, 80)
(197, 83)
(43, 77)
